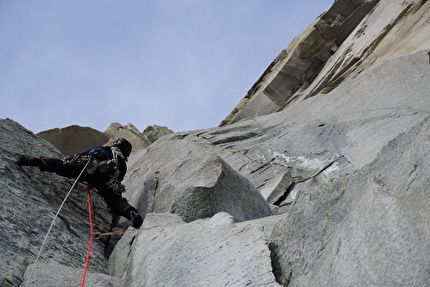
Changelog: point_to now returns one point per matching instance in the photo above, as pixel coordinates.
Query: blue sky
(184, 64)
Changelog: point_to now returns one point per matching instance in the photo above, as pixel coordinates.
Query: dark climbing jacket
(106, 169)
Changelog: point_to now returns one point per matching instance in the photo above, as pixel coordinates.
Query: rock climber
(105, 172)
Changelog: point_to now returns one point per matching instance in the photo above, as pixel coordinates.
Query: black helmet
(124, 145)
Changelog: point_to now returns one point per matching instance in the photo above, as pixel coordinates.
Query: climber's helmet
(124, 146)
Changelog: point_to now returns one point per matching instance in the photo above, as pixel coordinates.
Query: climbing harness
(52, 223)
(115, 184)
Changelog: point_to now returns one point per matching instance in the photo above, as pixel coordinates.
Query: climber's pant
(58, 166)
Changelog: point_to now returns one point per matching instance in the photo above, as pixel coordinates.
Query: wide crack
(281, 276)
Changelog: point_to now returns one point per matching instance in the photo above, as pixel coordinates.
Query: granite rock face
(369, 229)
(205, 252)
(353, 35)
(183, 175)
(30, 199)
(320, 177)
(353, 175)
(54, 275)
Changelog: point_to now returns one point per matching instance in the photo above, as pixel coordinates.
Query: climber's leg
(58, 166)
(28, 160)
(120, 206)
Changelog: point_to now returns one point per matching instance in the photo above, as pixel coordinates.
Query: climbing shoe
(30, 161)
(135, 218)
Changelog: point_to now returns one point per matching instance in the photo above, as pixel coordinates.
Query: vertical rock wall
(30, 199)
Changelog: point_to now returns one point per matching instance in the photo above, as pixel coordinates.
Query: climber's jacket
(106, 169)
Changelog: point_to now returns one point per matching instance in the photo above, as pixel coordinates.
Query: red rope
(91, 238)
(88, 188)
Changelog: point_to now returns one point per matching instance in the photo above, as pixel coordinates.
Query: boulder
(206, 252)
(183, 176)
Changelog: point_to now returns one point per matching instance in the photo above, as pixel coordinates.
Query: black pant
(115, 202)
